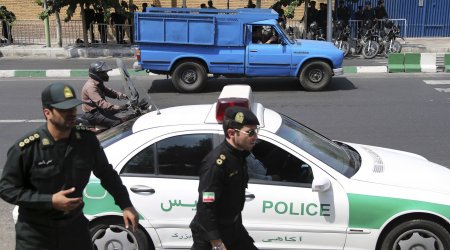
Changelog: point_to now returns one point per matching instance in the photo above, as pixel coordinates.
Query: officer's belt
(229, 220)
(50, 222)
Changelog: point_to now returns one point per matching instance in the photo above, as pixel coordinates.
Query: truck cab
(192, 43)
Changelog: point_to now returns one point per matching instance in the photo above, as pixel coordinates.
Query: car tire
(110, 232)
(423, 234)
(189, 77)
(315, 75)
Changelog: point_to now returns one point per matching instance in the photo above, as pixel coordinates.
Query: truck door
(267, 54)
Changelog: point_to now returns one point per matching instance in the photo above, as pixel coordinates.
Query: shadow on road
(257, 84)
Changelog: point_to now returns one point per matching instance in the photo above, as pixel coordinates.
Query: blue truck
(190, 44)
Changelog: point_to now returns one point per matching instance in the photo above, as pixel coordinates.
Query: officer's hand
(123, 107)
(123, 97)
(62, 203)
(130, 215)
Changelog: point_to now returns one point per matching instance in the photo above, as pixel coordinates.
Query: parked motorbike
(389, 44)
(341, 37)
(369, 41)
(138, 102)
(315, 32)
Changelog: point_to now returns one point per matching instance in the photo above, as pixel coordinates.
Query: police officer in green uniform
(45, 174)
(217, 224)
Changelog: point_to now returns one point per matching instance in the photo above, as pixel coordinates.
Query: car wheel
(417, 234)
(110, 233)
(315, 75)
(189, 77)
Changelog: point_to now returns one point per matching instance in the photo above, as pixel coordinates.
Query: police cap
(59, 96)
(237, 117)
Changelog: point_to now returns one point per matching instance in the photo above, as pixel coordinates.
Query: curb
(63, 73)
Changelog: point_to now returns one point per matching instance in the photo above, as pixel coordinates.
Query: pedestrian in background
(89, 18)
(223, 179)
(7, 18)
(46, 172)
(101, 25)
(144, 7)
(118, 21)
(210, 4)
(368, 13)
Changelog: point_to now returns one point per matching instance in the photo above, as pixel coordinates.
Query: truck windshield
(286, 34)
(340, 157)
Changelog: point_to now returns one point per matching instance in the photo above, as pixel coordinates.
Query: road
(403, 111)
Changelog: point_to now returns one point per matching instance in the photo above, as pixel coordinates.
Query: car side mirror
(320, 184)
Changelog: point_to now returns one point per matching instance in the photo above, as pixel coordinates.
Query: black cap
(59, 96)
(237, 117)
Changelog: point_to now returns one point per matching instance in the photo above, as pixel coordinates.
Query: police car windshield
(116, 133)
(341, 159)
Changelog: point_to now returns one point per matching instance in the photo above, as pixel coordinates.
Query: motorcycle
(341, 37)
(389, 42)
(315, 32)
(369, 41)
(138, 103)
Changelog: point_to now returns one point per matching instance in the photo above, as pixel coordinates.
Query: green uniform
(36, 168)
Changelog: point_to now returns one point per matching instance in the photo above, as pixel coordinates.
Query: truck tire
(315, 75)
(189, 77)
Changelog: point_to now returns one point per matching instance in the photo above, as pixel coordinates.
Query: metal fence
(31, 32)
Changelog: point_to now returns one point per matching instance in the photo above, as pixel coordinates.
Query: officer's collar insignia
(45, 142)
(233, 173)
(67, 92)
(219, 162)
(222, 157)
(239, 117)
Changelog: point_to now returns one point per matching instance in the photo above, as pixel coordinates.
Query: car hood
(399, 168)
(314, 44)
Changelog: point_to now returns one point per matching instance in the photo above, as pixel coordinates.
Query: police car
(332, 194)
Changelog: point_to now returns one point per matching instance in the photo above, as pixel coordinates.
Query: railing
(298, 26)
(27, 32)
(401, 23)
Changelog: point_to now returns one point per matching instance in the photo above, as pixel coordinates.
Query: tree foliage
(72, 5)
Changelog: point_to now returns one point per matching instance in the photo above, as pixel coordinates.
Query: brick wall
(28, 9)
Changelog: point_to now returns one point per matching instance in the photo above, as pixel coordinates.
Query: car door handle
(249, 196)
(142, 189)
(253, 50)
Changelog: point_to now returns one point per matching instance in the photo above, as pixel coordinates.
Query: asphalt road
(401, 111)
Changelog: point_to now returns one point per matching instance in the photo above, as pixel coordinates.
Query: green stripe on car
(373, 211)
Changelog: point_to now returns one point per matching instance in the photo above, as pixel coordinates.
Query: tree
(55, 6)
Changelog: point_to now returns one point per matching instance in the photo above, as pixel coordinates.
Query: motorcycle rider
(97, 110)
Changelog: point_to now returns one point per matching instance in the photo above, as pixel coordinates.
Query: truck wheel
(189, 77)
(108, 233)
(417, 234)
(315, 75)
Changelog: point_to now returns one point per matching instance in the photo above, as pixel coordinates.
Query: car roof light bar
(233, 95)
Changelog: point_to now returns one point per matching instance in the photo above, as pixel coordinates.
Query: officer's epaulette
(81, 127)
(220, 159)
(29, 140)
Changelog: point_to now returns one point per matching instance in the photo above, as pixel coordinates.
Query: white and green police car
(333, 195)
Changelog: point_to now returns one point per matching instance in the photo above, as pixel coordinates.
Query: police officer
(45, 174)
(223, 179)
(98, 111)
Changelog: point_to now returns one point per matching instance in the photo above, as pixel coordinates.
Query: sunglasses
(250, 133)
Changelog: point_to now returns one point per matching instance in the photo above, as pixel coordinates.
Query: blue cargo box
(196, 26)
